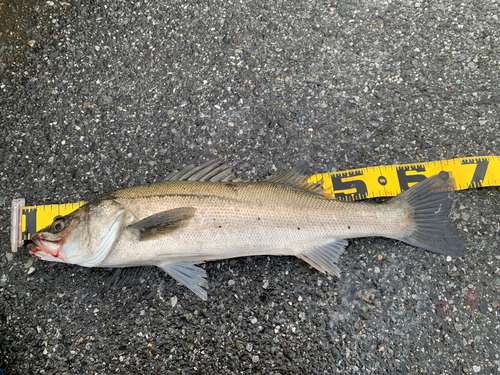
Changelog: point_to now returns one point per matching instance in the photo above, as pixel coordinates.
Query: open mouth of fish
(45, 249)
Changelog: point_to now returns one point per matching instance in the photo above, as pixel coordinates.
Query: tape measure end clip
(16, 229)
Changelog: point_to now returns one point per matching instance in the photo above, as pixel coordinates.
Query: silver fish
(203, 213)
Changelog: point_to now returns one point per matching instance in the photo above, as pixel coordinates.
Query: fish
(204, 213)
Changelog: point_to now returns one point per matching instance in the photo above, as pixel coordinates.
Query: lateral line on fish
(199, 196)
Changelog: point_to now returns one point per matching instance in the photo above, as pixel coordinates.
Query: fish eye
(58, 225)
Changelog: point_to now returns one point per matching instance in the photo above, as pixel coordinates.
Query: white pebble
(173, 301)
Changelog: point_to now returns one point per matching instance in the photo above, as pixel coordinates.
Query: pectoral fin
(189, 275)
(163, 223)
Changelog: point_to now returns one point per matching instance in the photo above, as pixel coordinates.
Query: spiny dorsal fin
(163, 223)
(297, 177)
(213, 170)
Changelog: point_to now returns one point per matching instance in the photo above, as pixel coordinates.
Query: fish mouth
(45, 249)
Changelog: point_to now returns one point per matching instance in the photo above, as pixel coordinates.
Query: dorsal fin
(290, 177)
(297, 177)
(216, 170)
(213, 170)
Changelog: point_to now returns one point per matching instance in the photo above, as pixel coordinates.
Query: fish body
(205, 214)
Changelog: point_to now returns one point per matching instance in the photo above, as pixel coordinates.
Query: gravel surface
(104, 94)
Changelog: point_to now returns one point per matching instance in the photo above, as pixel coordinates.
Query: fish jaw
(46, 249)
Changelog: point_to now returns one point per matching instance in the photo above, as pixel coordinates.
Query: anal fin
(326, 257)
(189, 275)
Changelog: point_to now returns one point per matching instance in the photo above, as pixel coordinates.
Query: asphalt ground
(106, 94)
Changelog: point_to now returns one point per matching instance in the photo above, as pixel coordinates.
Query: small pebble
(376, 270)
(255, 358)
(231, 282)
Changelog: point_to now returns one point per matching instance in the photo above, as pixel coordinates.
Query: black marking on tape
(30, 216)
(405, 179)
(382, 180)
(444, 176)
(359, 185)
(479, 173)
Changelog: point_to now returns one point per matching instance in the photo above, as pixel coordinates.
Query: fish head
(83, 237)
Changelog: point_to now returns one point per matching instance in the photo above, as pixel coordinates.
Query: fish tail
(429, 208)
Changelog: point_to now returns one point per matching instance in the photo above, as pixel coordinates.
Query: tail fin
(430, 206)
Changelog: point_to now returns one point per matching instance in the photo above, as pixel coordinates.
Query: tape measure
(27, 220)
(391, 180)
(352, 185)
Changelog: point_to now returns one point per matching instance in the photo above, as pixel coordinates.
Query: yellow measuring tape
(390, 180)
(356, 184)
